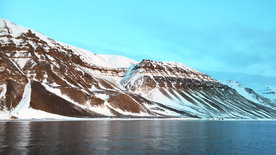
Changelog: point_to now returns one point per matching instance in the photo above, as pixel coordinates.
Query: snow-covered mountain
(269, 93)
(249, 93)
(43, 78)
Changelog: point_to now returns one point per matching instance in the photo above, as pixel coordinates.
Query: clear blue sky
(227, 39)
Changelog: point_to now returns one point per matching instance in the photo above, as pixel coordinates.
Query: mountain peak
(270, 89)
(9, 28)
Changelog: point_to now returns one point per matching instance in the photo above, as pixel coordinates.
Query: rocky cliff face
(148, 75)
(39, 75)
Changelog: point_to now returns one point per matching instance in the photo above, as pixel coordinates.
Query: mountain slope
(249, 93)
(64, 79)
(185, 89)
(40, 75)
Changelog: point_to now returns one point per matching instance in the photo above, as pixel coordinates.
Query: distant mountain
(44, 78)
(269, 93)
(249, 93)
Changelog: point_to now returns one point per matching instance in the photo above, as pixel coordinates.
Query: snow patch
(102, 110)
(21, 61)
(4, 90)
(117, 61)
(102, 96)
(30, 113)
(25, 101)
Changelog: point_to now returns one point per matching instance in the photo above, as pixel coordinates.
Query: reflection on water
(138, 136)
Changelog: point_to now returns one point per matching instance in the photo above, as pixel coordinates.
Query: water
(138, 137)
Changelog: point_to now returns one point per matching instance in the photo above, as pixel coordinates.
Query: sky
(229, 39)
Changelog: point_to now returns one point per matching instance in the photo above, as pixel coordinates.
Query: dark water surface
(138, 137)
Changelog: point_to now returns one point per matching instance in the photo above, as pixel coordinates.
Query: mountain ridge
(40, 75)
(248, 93)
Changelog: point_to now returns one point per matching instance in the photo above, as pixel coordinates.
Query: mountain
(269, 93)
(44, 78)
(249, 93)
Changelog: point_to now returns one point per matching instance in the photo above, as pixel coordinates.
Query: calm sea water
(138, 137)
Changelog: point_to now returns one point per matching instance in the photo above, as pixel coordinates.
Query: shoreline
(126, 119)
